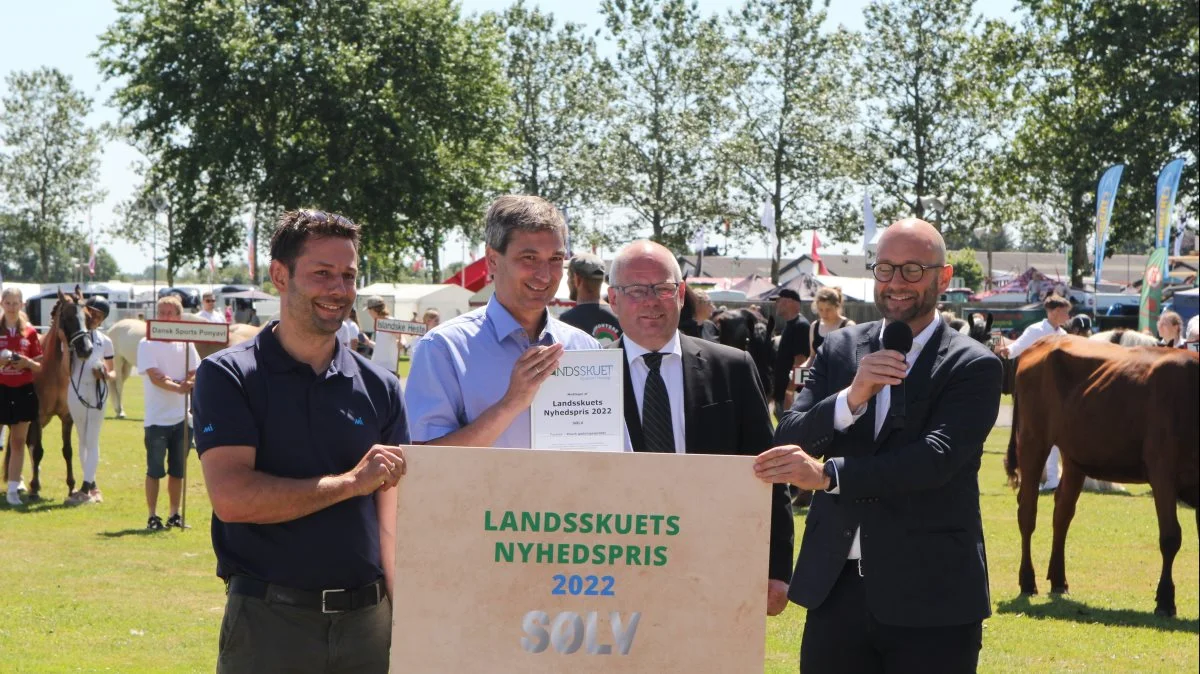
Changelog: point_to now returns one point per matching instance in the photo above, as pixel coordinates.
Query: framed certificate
(582, 405)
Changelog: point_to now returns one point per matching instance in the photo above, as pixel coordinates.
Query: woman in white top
(387, 346)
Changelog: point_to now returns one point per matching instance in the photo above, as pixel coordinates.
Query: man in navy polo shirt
(297, 437)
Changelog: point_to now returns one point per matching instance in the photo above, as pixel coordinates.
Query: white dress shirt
(844, 417)
(671, 370)
(1032, 334)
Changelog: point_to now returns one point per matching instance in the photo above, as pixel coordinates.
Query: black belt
(325, 601)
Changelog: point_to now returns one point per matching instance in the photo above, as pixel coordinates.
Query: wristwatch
(830, 471)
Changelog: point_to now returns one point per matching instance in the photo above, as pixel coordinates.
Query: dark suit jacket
(725, 412)
(914, 490)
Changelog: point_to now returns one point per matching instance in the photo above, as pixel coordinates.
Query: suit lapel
(864, 428)
(916, 385)
(633, 416)
(695, 391)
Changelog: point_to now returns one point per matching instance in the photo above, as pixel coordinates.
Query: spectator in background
(22, 352)
(1058, 314)
(365, 344)
(431, 319)
(228, 314)
(585, 275)
(827, 305)
(694, 317)
(208, 311)
(794, 347)
(349, 335)
(170, 369)
(1193, 331)
(387, 344)
(1170, 330)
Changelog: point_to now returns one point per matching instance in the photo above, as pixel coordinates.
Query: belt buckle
(324, 595)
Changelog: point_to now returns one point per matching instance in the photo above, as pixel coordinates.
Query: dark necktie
(656, 409)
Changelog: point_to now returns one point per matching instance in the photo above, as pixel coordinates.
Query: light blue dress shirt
(463, 366)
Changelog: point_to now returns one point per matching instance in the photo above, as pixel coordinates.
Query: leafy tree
(559, 93)
(793, 108)
(49, 158)
(967, 267)
(1110, 82)
(389, 112)
(661, 143)
(937, 101)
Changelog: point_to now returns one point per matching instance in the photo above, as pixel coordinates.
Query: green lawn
(90, 590)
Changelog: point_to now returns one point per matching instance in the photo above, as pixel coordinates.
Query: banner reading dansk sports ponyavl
(549, 561)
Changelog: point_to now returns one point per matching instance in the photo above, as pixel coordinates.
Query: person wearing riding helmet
(1080, 324)
(86, 396)
(20, 361)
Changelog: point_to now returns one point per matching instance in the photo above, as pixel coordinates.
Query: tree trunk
(1080, 230)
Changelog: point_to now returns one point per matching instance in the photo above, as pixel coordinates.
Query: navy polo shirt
(302, 425)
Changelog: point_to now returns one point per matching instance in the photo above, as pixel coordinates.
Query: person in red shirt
(20, 360)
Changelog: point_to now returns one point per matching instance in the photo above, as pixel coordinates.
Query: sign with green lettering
(511, 560)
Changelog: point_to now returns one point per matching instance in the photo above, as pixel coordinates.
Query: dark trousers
(841, 635)
(260, 636)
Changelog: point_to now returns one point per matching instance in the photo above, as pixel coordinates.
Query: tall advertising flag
(1164, 203)
(1106, 195)
(1152, 287)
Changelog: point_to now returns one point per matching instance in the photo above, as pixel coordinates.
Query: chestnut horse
(1115, 413)
(68, 331)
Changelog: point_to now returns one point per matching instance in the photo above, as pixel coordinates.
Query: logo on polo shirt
(207, 429)
(358, 421)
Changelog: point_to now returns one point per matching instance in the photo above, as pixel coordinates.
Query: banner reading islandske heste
(531, 561)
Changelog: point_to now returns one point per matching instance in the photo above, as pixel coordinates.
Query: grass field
(90, 590)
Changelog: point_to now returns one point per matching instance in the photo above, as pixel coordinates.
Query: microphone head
(897, 336)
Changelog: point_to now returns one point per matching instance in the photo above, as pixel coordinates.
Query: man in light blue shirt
(474, 377)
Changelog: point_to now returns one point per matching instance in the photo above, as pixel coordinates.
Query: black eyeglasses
(640, 291)
(909, 271)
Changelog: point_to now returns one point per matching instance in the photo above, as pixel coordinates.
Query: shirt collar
(920, 339)
(279, 360)
(633, 350)
(505, 325)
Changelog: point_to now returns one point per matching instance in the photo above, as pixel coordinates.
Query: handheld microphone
(897, 336)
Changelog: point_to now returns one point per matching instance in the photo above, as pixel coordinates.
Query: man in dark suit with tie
(688, 395)
(892, 566)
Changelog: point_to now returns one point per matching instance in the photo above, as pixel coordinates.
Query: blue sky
(63, 34)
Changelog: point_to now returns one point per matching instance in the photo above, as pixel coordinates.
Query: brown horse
(67, 332)
(1120, 414)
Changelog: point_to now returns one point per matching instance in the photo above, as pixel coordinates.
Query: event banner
(1150, 305)
(518, 560)
(582, 405)
(1106, 196)
(1168, 183)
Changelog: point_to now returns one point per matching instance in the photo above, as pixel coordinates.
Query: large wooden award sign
(552, 561)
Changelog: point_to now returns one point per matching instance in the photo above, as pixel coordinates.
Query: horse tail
(1010, 458)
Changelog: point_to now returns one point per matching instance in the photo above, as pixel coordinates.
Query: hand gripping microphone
(897, 336)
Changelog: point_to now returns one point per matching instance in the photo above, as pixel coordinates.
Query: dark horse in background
(1115, 413)
(748, 330)
(68, 332)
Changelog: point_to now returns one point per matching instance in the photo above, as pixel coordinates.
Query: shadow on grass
(140, 531)
(38, 505)
(1064, 608)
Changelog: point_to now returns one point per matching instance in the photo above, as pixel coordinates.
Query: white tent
(405, 299)
(860, 289)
